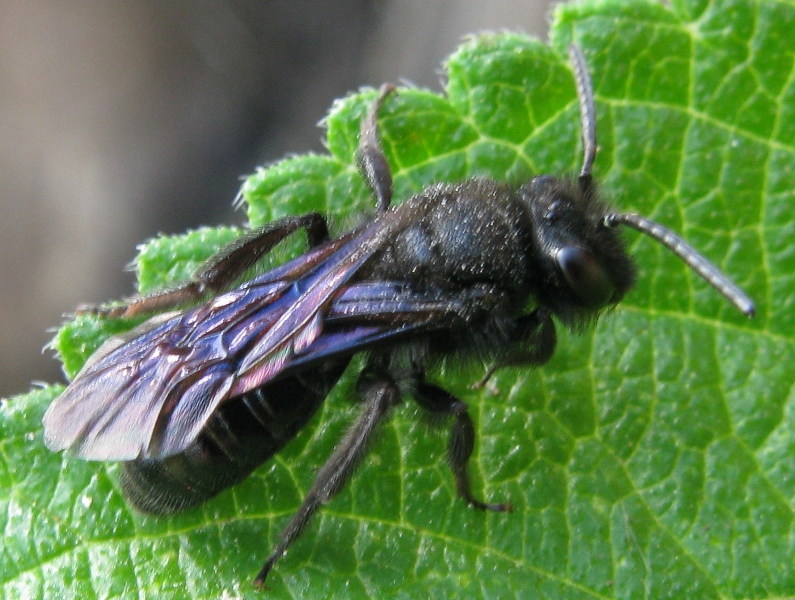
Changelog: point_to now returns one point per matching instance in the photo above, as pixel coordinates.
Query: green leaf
(652, 457)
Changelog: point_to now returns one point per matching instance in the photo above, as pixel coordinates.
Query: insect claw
(490, 506)
(108, 312)
(503, 507)
(259, 581)
(483, 381)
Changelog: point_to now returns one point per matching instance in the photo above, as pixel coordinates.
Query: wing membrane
(152, 393)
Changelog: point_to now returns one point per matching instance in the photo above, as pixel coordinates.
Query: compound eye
(585, 276)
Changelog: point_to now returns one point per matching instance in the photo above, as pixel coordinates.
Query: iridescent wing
(150, 393)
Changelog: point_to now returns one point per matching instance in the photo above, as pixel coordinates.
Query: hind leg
(222, 270)
(380, 394)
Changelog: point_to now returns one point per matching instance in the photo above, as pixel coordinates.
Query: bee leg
(380, 394)
(222, 269)
(370, 155)
(462, 439)
(533, 344)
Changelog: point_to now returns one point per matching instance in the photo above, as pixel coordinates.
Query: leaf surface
(653, 457)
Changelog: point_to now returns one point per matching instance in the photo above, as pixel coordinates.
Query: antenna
(696, 261)
(587, 114)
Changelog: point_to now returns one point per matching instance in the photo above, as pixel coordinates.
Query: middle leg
(370, 154)
(462, 439)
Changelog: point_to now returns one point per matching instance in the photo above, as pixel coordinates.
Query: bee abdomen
(244, 432)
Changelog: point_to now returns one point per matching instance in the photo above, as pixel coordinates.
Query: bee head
(581, 265)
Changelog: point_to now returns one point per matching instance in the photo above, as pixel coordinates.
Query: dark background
(119, 120)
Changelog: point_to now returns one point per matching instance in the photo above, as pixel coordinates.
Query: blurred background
(120, 120)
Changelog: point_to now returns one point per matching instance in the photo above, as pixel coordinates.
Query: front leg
(532, 344)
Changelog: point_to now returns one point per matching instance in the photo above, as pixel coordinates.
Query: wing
(369, 314)
(150, 393)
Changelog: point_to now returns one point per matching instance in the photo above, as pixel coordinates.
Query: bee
(193, 400)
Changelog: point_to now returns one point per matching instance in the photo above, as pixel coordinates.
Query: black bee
(194, 400)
